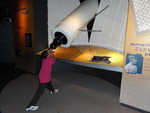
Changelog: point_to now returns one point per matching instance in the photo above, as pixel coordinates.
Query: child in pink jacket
(44, 76)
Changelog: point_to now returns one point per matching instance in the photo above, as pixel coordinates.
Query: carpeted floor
(8, 73)
(78, 93)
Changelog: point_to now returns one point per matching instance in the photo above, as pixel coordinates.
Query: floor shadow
(8, 72)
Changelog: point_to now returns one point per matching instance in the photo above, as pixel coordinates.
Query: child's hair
(44, 54)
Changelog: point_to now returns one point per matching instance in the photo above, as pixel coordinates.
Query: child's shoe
(32, 108)
(55, 91)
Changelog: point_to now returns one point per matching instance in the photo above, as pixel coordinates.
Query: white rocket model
(69, 28)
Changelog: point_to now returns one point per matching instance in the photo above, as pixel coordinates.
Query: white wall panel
(112, 22)
(103, 4)
(104, 41)
(113, 8)
(122, 13)
(96, 39)
(54, 5)
(117, 31)
(108, 27)
(82, 39)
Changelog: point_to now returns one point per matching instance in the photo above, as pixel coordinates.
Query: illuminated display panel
(141, 13)
(82, 55)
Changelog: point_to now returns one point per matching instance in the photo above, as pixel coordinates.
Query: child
(44, 76)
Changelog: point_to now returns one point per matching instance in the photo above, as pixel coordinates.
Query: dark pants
(40, 91)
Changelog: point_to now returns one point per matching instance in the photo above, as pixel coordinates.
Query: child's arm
(51, 53)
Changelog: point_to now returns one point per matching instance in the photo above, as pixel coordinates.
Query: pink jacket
(46, 68)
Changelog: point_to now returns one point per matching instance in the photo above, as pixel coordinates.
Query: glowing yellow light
(112, 59)
(85, 54)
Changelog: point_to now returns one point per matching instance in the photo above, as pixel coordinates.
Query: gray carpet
(78, 93)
